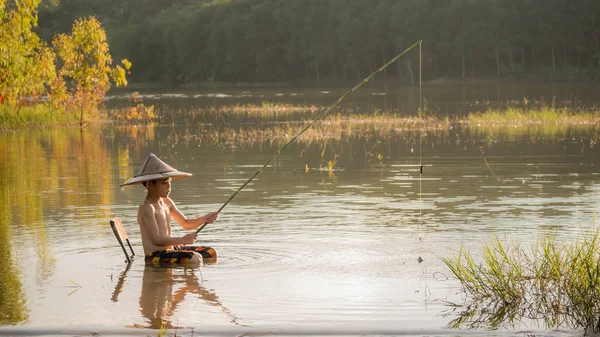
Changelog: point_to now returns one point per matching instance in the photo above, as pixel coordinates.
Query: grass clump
(38, 115)
(136, 113)
(555, 282)
(163, 330)
(537, 115)
(268, 107)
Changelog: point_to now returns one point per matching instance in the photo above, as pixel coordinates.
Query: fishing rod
(319, 117)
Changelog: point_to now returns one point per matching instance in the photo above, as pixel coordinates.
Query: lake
(303, 249)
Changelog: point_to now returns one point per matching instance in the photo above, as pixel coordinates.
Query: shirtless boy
(154, 217)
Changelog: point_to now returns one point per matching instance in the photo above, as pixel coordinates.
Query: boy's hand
(190, 238)
(211, 217)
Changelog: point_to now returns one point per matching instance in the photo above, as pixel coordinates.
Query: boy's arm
(185, 222)
(151, 228)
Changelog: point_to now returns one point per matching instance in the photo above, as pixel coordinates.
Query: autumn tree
(85, 64)
(26, 62)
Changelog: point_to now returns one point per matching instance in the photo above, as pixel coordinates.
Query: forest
(186, 42)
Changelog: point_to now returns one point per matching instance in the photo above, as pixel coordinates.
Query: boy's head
(154, 170)
(158, 187)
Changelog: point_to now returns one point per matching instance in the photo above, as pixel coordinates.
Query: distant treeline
(185, 41)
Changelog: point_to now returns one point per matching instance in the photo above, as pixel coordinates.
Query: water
(301, 249)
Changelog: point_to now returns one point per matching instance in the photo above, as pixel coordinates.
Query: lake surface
(302, 249)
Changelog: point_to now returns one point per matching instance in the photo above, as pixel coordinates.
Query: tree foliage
(85, 62)
(74, 72)
(177, 42)
(26, 62)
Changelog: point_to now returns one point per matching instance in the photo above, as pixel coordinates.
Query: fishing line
(420, 145)
(319, 117)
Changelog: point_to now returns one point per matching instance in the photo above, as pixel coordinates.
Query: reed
(381, 126)
(555, 282)
(136, 113)
(37, 115)
(512, 115)
(329, 164)
(535, 115)
(333, 127)
(163, 330)
(267, 106)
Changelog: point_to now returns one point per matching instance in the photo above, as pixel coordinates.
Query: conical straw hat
(154, 168)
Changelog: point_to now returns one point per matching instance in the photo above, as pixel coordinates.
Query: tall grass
(534, 115)
(38, 115)
(265, 107)
(42, 115)
(555, 282)
(163, 330)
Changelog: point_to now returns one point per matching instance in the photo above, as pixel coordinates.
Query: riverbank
(35, 116)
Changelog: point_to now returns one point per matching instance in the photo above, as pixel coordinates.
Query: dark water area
(308, 248)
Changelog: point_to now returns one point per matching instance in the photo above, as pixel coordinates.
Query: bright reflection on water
(300, 248)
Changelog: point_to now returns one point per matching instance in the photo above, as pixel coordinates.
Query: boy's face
(161, 188)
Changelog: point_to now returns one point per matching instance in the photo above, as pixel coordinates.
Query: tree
(255, 40)
(85, 62)
(26, 62)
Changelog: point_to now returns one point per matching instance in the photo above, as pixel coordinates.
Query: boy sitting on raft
(154, 218)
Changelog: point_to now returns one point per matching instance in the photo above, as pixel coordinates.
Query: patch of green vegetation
(163, 330)
(266, 107)
(39, 115)
(554, 281)
(541, 115)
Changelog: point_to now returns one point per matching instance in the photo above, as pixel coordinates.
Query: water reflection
(163, 289)
(22, 168)
(12, 298)
(120, 283)
(41, 173)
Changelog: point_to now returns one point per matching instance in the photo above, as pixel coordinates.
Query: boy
(154, 218)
